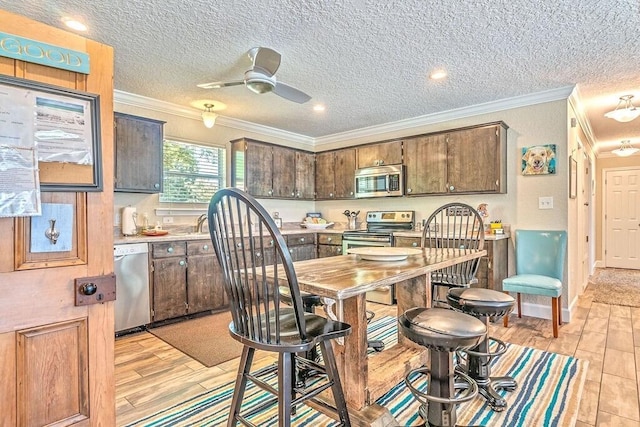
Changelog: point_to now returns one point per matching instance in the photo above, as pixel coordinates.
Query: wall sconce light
(625, 111)
(208, 116)
(626, 149)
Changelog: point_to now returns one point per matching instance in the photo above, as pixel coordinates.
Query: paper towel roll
(129, 227)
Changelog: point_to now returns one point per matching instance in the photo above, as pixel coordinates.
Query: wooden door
(345, 169)
(385, 153)
(305, 175)
(622, 218)
(283, 172)
(425, 159)
(58, 357)
(258, 163)
(473, 156)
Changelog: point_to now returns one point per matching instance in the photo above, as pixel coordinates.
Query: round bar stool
(443, 332)
(484, 304)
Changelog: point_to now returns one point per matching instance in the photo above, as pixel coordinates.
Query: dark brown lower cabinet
(492, 268)
(186, 279)
(329, 244)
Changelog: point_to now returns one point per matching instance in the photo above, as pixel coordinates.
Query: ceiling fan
(261, 77)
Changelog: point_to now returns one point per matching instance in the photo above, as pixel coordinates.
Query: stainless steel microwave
(380, 181)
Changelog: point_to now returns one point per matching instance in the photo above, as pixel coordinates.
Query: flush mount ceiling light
(208, 116)
(74, 24)
(438, 75)
(626, 149)
(625, 111)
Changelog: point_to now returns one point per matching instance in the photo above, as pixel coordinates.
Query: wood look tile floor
(151, 375)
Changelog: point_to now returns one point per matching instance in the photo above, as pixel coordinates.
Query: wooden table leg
(354, 369)
(411, 293)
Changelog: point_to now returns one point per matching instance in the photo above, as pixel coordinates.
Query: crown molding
(152, 104)
(443, 116)
(371, 131)
(576, 102)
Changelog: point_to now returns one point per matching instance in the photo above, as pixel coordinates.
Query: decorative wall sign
(63, 126)
(539, 160)
(42, 53)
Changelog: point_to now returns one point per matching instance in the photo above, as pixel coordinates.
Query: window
(192, 172)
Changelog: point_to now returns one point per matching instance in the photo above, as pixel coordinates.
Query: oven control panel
(390, 216)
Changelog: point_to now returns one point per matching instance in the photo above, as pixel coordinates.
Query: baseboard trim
(544, 311)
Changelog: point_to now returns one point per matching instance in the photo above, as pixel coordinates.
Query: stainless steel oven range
(379, 232)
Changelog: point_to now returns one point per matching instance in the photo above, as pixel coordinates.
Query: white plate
(312, 226)
(384, 253)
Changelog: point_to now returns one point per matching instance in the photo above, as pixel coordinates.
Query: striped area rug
(548, 394)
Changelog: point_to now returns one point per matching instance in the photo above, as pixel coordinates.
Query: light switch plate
(545, 202)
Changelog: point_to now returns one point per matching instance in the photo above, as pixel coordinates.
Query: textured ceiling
(368, 61)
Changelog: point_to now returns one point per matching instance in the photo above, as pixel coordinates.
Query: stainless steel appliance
(379, 232)
(131, 266)
(380, 181)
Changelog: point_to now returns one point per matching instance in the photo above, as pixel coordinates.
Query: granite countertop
(287, 229)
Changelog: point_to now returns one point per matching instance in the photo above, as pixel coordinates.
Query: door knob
(88, 289)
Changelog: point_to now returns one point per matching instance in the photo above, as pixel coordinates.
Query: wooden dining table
(346, 279)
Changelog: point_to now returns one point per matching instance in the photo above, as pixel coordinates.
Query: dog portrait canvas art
(539, 160)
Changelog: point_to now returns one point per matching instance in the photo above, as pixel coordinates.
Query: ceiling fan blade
(217, 85)
(267, 60)
(290, 93)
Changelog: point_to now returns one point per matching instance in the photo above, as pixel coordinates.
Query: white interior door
(622, 218)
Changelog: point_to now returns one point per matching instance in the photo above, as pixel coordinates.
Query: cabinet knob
(238, 245)
(291, 251)
(182, 263)
(409, 190)
(156, 185)
(339, 250)
(205, 247)
(351, 193)
(330, 194)
(302, 240)
(170, 250)
(270, 192)
(414, 244)
(298, 195)
(293, 194)
(258, 254)
(328, 239)
(451, 188)
(270, 242)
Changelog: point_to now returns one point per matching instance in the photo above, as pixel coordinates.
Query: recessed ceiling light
(438, 75)
(318, 107)
(74, 24)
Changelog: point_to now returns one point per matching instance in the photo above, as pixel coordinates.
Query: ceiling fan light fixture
(258, 82)
(208, 116)
(626, 149)
(625, 111)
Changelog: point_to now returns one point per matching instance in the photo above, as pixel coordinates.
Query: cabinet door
(169, 288)
(305, 175)
(407, 242)
(325, 175)
(386, 153)
(138, 154)
(425, 158)
(258, 164)
(201, 283)
(329, 250)
(284, 172)
(474, 160)
(344, 172)
(302, 252)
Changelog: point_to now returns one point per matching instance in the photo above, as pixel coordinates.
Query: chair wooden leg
(519, 305)
(554, 316)
(560, 310)
(241, 383)
(505, 319)
(285, 384)
(334, 377)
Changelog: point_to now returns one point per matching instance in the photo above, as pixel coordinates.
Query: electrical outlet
(167, 220)
(545, 202)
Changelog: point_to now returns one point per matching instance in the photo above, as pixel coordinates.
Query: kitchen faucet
(201, 219)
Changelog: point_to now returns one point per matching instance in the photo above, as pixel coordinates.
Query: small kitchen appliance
(380, 181)
(129, 220)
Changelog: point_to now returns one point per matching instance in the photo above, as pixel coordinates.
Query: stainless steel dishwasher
(131, 266)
